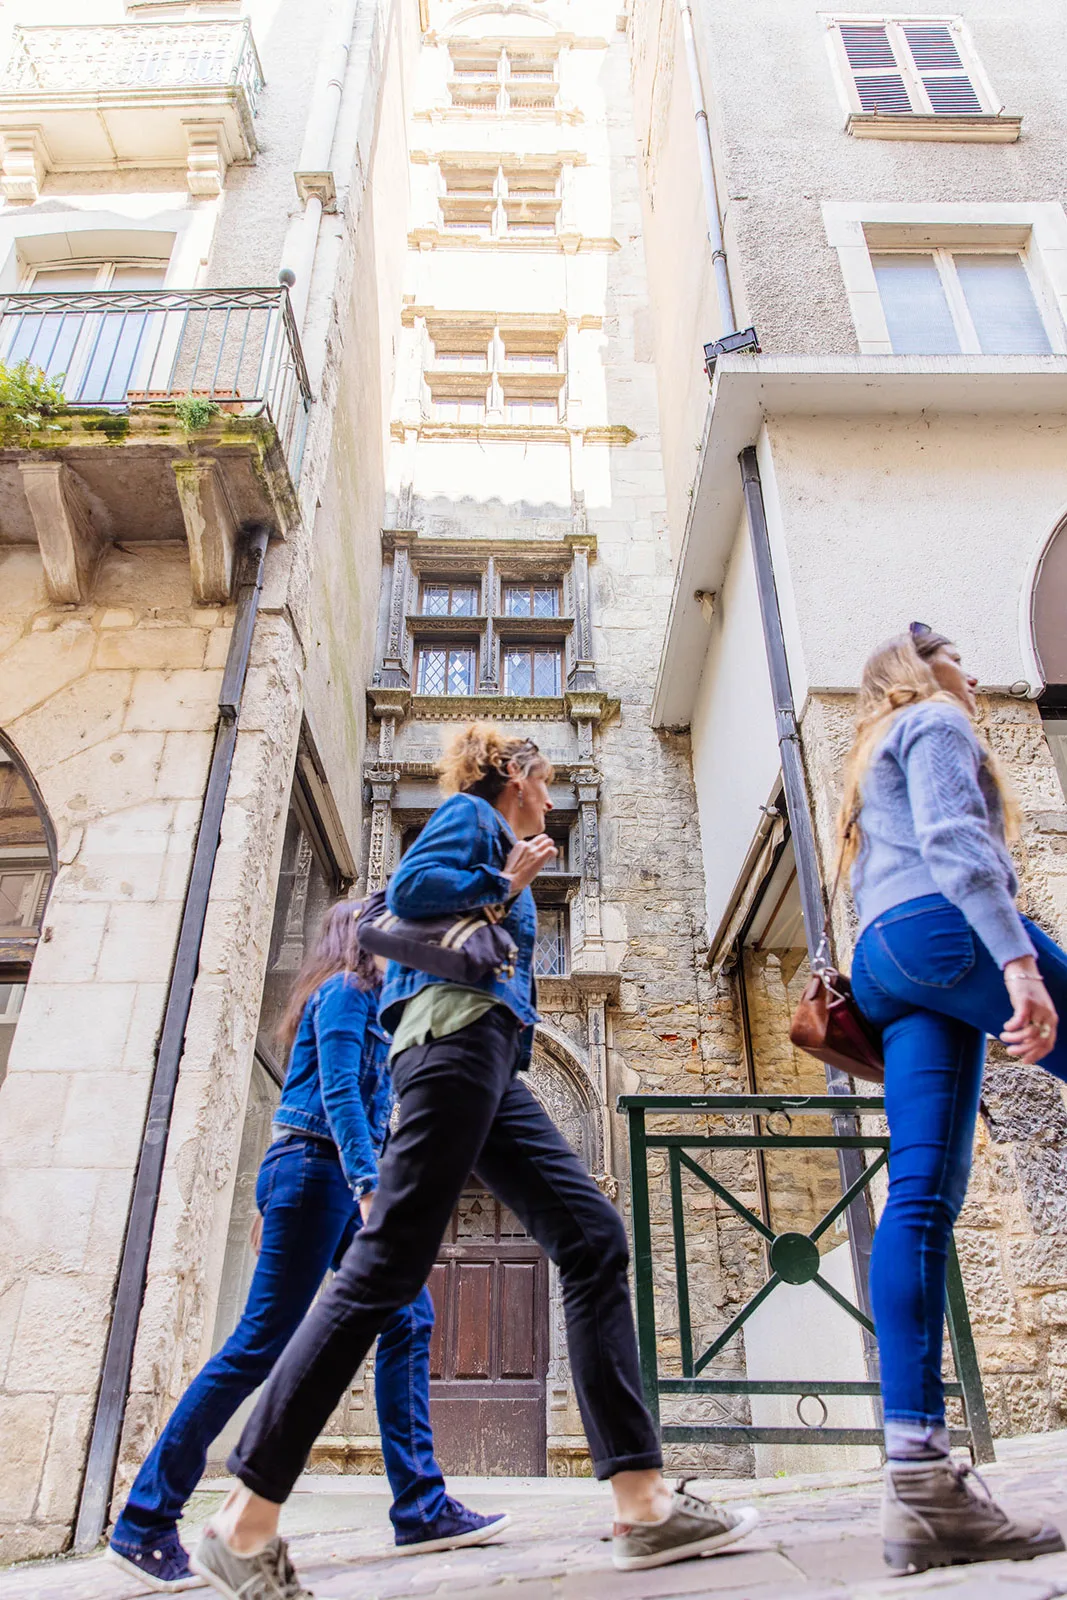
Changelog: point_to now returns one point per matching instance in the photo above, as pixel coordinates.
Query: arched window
(27, 865)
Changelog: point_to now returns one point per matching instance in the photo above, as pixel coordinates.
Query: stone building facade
(893, 227)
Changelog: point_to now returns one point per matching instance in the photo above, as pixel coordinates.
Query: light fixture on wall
(731, 344)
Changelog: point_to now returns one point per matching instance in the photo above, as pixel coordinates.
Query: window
(446, 669)
(497, 79)
(531, 599)
(522, 409)
(511, 199)
(532, 670)
(945, 302)
(25, 878)
(449, 599)
(102, 354)
(906, 66)
(461, 407)
(550, 950)
(512, 372)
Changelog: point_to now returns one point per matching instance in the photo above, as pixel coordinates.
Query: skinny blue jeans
(923, 976)
(309, 1219)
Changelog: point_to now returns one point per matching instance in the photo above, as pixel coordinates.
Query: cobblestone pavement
(818, 1539)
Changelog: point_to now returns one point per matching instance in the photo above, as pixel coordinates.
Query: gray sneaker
(268, 1575)
(932, 1516)
(694, 1527)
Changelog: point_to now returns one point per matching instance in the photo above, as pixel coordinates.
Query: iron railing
(238, 349)
(143, 55)
(793, 1257)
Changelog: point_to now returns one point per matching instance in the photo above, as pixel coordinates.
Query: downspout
(133, 1268)
(314, 179)
(727, 318)
(809, 881)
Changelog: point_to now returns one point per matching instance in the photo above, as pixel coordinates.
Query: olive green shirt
(437, 1011)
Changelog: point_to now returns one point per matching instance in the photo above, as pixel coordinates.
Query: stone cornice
(426, 547)
(591, 705)
(480, 707)
(569, 244)
(606, 433)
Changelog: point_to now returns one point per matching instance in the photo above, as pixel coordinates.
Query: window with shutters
(960, 302)
(915, 69)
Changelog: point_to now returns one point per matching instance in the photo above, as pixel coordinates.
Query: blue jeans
(922, 975)
(309, 1219)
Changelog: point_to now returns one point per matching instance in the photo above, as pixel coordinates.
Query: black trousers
(462, 1109)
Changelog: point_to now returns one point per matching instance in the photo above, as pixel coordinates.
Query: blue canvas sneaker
(455, 1526)
(162, 1565)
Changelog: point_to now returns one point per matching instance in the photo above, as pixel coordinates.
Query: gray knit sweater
(932, 823)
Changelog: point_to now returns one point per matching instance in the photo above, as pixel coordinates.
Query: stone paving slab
(817, 1540)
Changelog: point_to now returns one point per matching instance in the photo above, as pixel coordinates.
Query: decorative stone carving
(393, 669)
(209, 156)
(71, 546)
(383, 784)
(22, 168)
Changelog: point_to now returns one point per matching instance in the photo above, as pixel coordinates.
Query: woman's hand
(526, 860)
(255, 1232)
(1030, 1031)
(365, 1203)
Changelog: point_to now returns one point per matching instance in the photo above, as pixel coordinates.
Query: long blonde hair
(896, 675)
(476, 761)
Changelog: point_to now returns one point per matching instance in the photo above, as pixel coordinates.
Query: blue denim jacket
(454, 865)
(338, 1085)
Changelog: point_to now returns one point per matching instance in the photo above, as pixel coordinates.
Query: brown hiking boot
(932, 1516)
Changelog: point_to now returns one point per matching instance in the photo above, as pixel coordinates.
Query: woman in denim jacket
(314, 1191)
(458, 1057)
(944, 959)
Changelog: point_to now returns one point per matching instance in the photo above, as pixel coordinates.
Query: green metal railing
(793, 1257)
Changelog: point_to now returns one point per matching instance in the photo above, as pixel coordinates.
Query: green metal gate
(793, 1258)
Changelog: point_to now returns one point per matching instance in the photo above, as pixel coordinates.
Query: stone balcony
(184, 417)
(124, 96)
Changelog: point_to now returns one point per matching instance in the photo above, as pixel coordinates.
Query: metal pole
(809, 882)
(727, 316)
(133, 1268)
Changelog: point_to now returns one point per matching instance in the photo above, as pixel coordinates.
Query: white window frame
(944, 259)
(856, 230)
(893, 21)
(446, 379)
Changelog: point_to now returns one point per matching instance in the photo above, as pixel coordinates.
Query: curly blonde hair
(476, 761)
(896, 675)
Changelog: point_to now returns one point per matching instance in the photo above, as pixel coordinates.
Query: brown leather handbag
(828, 1023)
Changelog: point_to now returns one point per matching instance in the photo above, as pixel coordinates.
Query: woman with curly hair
(944, 958)
(457, 1058)
(315, 1189)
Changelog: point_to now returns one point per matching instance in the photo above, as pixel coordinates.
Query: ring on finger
(1045, 1031)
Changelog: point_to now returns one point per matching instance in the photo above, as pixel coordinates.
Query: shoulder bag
(462, 947)
(828, 1023)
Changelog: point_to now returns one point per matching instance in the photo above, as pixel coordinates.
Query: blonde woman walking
(944, 958)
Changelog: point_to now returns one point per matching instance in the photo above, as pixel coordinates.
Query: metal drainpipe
(133, 1268)
(809, 882)
(707, 174)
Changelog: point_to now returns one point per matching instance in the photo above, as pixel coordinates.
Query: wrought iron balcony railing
(236, 348)
(163, 55)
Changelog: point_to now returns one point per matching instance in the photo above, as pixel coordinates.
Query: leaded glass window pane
(435, 597)
(449, 670)
(546, 672)
(531, 600)
(529, 671)
(546, 601)
(550, 951)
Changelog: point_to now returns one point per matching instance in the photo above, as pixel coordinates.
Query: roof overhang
(747, 390)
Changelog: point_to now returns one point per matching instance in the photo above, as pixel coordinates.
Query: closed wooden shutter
(879, 81)
(938, 66)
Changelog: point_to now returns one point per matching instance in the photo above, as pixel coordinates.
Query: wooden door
(489, 1356)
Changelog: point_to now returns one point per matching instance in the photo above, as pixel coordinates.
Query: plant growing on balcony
(28, 396)
(195, 411)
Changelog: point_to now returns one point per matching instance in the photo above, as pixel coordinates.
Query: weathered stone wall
(1012, 1232)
